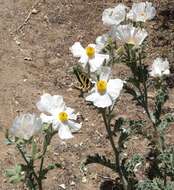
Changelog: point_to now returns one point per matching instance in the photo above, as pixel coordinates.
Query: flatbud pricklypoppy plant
(125, 43)
(28, 128)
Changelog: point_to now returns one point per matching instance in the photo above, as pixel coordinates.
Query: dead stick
(28, 17)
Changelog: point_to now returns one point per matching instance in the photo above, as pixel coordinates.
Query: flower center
(142, 14)
(101, 86)
(131, 41)
(63, 116)
(90, 52)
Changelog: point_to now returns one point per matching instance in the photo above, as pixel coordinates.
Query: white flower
(89, 54)
(141, 12)
(130, 35)
(159, 67)
(114, 16)
(105, 91)
(62, 117)
(25, 126)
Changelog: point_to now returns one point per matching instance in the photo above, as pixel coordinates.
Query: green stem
(88, 69)
(46, 143)
(116, 151)
(29, 165)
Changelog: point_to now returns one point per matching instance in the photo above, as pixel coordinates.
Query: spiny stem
(116, 151)
(47, 141)
(88, 69)
(29, 166)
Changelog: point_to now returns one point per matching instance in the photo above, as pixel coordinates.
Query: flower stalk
(118, 168)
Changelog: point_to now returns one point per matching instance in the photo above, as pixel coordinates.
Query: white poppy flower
(141, 12)
(89, 55)
(114, 16)
(130, 35)
(105, 91)
(61, 117)
(25, 126)
(159, 67)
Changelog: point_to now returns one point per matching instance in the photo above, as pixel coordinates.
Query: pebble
(27, 58)
(62, 186)
(34, 11)
(72, 183)
(84, 180)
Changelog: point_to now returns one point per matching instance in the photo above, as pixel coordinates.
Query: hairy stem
(29, 165)
(115, 149)
(46, 143)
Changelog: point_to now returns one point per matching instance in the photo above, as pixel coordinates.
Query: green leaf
(118, 124)
(130, 165)
(134, 94)
(166, 159)
(155, 184)
(8, 142)
(100, 159)
(15, 174)
(160, 99)
(34, 149)
(165, 122)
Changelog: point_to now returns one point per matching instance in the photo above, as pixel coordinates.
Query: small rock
(84, 180)
(34, 11)
(62, 186)
(27, 58)
(17, 41)
(72, 183)
(76, 145)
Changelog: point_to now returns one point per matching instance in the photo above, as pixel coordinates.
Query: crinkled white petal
(114, 16)
(77, 50)
(141, 12)
(135, 13)
(130, 34)
(46, 119)
(114, 88)
(140, 36)
(97, 61)
(71, 114)
(74, 127)
(101, 101)
(101, 42)
(123, 32)
(25, 126)
(83, 59)
(64, 132)
(151, 11)
(50, 104)
(105, 73)
(159, 67)
(166, 72)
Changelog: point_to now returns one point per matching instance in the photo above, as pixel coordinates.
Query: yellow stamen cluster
(63, 116)
(101, 86)
(90, 52)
